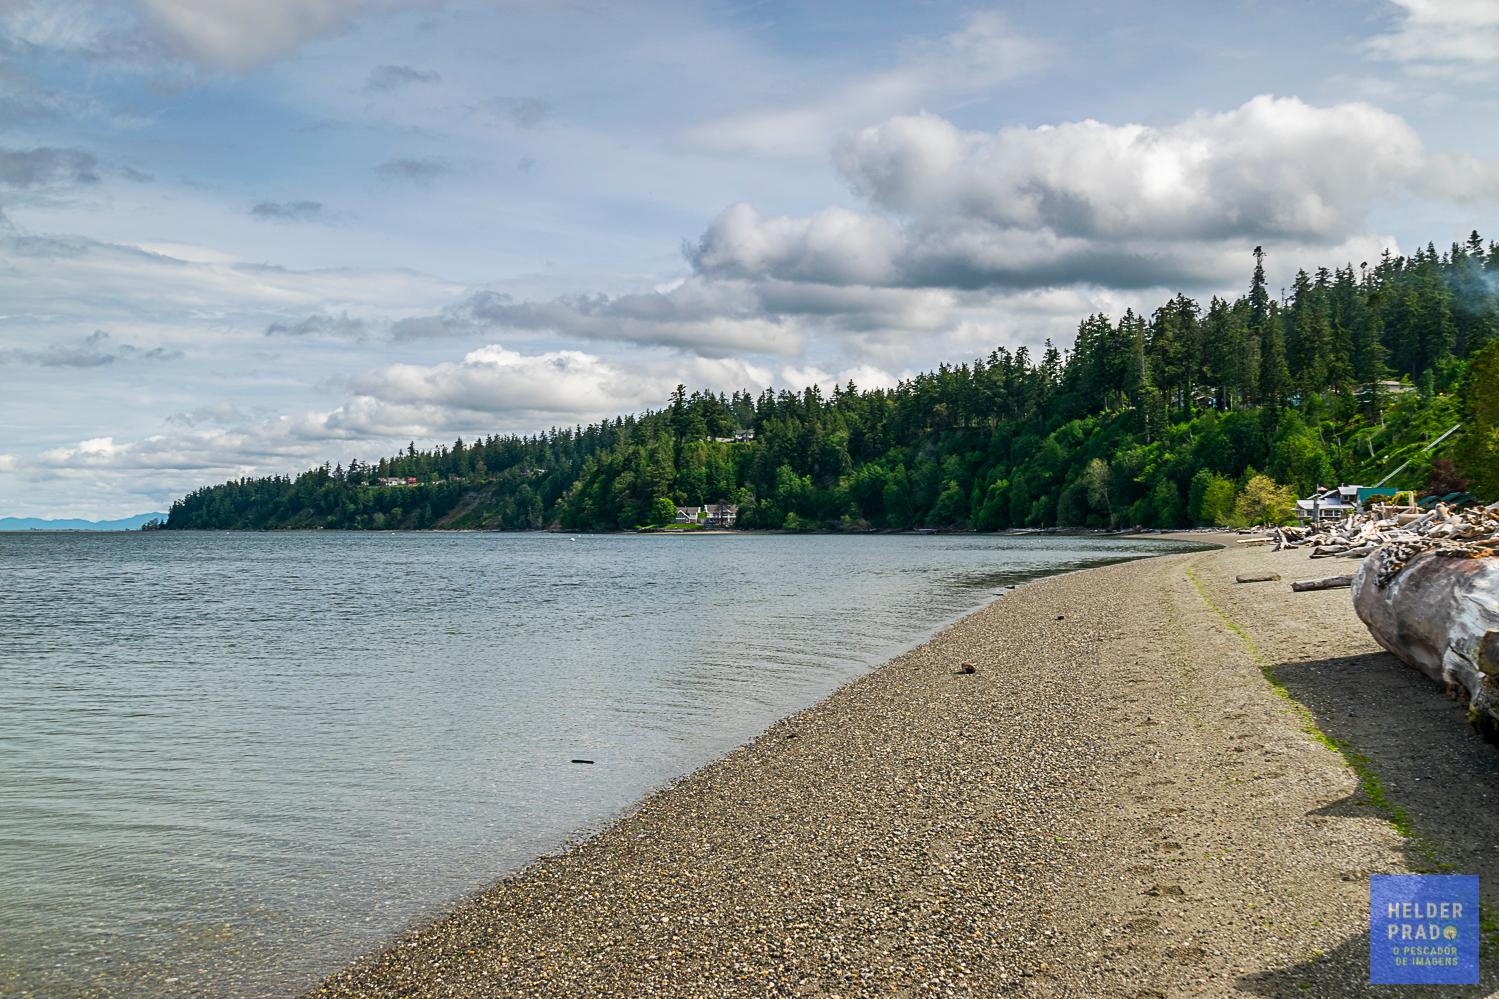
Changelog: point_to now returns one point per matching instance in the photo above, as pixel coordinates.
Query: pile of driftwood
(1399, 535)
(1427, 590)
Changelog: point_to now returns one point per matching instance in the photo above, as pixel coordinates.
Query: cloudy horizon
(245, 238)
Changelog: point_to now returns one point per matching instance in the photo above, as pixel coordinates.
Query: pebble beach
(1154, 782)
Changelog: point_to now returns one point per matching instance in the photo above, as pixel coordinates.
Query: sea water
(231, 762)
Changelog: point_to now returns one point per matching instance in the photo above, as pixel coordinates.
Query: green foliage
(1147, 420)
(1210, 499)
(663, 511)
(1478, 451)
(1263, 501)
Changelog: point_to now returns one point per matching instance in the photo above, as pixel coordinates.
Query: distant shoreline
(1163, 534)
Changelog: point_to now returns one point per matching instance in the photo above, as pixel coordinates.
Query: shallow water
(229, 762)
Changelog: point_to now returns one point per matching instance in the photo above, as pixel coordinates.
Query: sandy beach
(1156, 783)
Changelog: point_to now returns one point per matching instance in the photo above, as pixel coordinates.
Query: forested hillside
(1191, 415)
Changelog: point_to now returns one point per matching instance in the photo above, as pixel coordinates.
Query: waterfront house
(1328, 504)
(689, 514)
(721, 514)
(390, 481)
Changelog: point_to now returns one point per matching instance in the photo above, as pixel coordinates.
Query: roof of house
(1330, 500)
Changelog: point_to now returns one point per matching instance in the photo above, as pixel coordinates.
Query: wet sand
(1118, 802)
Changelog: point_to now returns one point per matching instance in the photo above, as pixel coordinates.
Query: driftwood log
(1264, 577)
(1325, 583)
(1441, 615)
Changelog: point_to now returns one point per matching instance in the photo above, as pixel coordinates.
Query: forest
(1193, 415)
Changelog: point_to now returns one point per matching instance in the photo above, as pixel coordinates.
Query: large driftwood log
(1440, 615)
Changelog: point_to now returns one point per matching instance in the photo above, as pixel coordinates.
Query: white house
(712, 515)
(1328, 504)
(721, 514)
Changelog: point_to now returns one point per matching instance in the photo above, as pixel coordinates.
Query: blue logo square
(1423, 929)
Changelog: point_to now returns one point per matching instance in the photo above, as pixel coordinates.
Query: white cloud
(495, 384)
(239, 34)
(1088, 203)
(7, 463)
(493, 379)
(970, 238)
(1272, 167)
(707, 319)
(491, 389)
(986, 53)
(864, 376)
(1459, 37)
(50, 280)
(833, 246)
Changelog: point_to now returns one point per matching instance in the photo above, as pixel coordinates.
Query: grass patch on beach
(1424, 855)
(1488, 930)
(1428, 858)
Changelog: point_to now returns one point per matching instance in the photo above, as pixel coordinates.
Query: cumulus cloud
(1272, 167)
(1446, 36)
(859, 261)
(493, 379)
(421, 170)
(288, 211)
(985, 53)
(93, 351)
(385, 79)
(960, 226)
(47, 165)
(495, 384)
(1079, 203)
(834, 246)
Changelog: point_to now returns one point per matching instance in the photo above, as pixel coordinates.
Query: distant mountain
(42, 524)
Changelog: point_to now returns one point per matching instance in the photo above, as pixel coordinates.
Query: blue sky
(245, 236)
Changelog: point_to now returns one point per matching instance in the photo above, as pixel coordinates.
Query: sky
(245, 237)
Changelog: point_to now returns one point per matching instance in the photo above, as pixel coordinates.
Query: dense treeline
(1190, 415)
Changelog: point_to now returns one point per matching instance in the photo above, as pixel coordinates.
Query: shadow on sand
(1440, 780)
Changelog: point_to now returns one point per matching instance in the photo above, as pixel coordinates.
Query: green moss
(1488, 930)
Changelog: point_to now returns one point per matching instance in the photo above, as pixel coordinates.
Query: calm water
(230, 761)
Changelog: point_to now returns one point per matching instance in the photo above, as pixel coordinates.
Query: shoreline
(1193, 534)
(1042, 826)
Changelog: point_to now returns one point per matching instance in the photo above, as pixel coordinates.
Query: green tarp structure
(1366, 493)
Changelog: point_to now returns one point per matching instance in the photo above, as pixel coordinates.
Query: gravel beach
(1117, 802)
